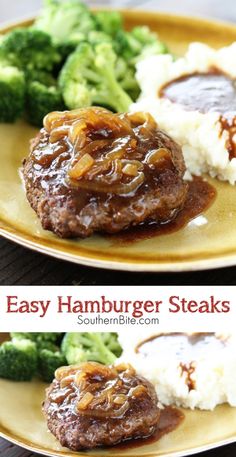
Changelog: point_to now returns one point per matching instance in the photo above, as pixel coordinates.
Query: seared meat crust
(80, 430)
(71, 211)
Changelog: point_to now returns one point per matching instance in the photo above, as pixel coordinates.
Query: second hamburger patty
(91, 171)
(93, 405)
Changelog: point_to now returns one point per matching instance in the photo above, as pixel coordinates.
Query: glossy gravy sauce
(170, 419)
(184, 348)
(201, 195)
(207, 92)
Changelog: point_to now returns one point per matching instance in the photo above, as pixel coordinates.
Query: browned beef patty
(94, 171)
(92, 405)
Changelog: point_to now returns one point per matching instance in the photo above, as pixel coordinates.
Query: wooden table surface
(22, 267)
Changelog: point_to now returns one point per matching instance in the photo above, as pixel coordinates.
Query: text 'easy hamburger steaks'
(90, 170)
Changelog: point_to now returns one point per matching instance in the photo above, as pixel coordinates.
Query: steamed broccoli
(42, 76)
(98, 347)
(63, 21)
(18, 360)
(49, 359)
(89, 78)
(109, 22)
(138, 43)
(93, 37)
(39, 337)
(41, 100)
(12, 93)
(27, 49)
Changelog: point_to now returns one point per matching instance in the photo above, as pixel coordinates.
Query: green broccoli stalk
(97, 347)
(41, 100)
(63, 21)
(112, 343)
(131, 47)
(39, 337)
(12, 93)
(88, 78)
(126, 77)
(18, 360)
(27, 49)
(49, 359)
(109, 22)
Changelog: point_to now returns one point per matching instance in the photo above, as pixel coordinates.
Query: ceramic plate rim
(165, 267)
(197, 450)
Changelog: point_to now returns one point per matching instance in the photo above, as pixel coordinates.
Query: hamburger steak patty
(93, 405)
(91, 171)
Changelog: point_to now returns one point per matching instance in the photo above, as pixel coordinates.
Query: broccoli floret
(64, 20)
(41, 100)
(131, 47)
(109, 22)
(97, 347)
(18, 360)
(46, 345)
(138, 43)
(12, 93)
(111, 341)
(41, 76)
(126, 77)
(27, 48)
(94, 37)
(49, 359)
(38, 337)
(89, 78)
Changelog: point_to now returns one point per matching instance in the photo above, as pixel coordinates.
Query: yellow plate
(22, 423)
(204, 243)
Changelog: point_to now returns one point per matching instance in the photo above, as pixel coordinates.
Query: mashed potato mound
(192, 371)
(201, 136)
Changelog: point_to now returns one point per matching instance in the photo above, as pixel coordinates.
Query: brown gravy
(201, 196)
(170, 419)
(180, 341)
(207, 92)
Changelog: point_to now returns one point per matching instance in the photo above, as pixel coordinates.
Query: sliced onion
(120, 399)
(63, 372)
(137, 391)
(77, 134)
(125, 367)
(111, 413)
(130, 169)
(118, 189)
(58, 133)
(81, 167)
(85, 401)
(67, 380)
(157, 155)
(141, 118)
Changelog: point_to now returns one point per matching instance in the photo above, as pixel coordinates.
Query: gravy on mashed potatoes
(193, 98)
(195, 370)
